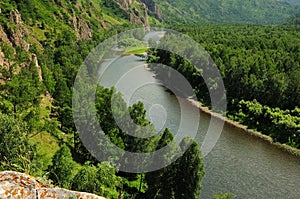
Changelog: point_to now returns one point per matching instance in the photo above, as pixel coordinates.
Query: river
(241, 164)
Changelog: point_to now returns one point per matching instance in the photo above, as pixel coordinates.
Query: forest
(260, 69)
(229, 11)
(38, 135)
(41, 50)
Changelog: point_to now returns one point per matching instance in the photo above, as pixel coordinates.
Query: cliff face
(16, 185)
(14, 36)
(152, 8)
(124, 3)
(138, 13)
(82, 28)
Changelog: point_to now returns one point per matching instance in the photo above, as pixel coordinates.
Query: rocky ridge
(14, 36)
(153, 8)
(140, 16)
(16, 185)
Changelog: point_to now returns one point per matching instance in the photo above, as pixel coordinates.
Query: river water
(239, 163)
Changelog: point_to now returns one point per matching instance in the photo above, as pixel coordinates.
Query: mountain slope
(294, 20)
(296, 2)
(227, 11)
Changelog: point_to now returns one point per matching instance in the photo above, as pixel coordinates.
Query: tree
(16, 153)
(63, 168)
(189, 171)
(182, 178)
(23, 89)
(100, 179)
(160, 183)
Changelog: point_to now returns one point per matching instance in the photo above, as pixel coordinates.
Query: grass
(135, 50)
(38, 33)
(111, 20)
(46, 145)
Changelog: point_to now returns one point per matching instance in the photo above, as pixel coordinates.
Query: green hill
(296, 2)
(227, 11)
(294, 20)
(42, 45)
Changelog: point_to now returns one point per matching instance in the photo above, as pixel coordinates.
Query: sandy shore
(243, 128)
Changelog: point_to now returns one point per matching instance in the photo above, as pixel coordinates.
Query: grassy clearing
(135, 50)
(46, 145)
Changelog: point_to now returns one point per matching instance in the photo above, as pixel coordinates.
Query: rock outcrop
(14, 36)
(18, 32)
(152, 8)
(34, 59)
(82, 28)
(4, 37)
(124, 3)
(136, 16)
(16, 185)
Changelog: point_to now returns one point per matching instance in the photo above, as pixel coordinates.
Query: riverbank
(243, 128)
(267, 139)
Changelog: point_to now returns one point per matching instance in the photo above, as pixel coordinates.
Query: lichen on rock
(15, 185)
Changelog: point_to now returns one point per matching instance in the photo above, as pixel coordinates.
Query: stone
(15, 185)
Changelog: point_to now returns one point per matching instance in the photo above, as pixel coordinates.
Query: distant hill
(294, 20)
(228, 11)
(296, 2)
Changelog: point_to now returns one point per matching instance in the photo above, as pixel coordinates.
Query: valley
(49, 126)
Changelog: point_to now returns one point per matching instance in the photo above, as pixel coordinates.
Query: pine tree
(189, 171)
(16, 153)
(63, 168)
(160, 182)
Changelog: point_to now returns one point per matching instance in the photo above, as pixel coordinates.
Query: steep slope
(227, 11)
(42, 45)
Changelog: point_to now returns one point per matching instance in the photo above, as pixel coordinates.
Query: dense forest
(42, 45)
(229, 11)
(260, 70)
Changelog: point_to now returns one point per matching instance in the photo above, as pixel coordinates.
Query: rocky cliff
(15, 36)
(152, 8)
(138, 10)
(16, 185)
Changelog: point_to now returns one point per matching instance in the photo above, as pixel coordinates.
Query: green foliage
(294, 20)
(282, 125)
(229, 11)
(100, 180)
(256, 62)
(187, 171)
(63, 168)
(16, 153)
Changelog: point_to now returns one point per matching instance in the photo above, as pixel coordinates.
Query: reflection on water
(239, 163)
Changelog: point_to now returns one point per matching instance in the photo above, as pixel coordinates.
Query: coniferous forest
(44, 42)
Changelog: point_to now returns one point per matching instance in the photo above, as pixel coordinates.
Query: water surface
(239, 163)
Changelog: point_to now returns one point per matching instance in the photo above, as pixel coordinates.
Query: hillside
(294, 20)
(42, 46)
(296, 2)
(228, 11)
